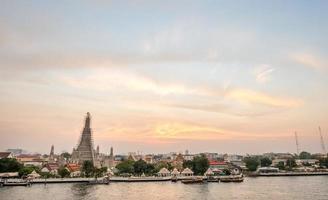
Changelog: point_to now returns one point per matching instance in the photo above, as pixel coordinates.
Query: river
(305, 188)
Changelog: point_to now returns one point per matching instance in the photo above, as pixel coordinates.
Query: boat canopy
(164, 172)
(175, 172)
(209, 172)
(187, 171)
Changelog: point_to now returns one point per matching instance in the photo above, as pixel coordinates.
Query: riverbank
(305, 188)
(106, 180)
(289, 174)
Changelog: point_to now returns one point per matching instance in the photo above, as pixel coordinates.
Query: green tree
(66, 155)
(140, 167)
(24, 171)
(10, 165)
(252, 163)
(324, 162)
(125, 167)
(200, 165)
(291, 163)
(87, 168)
(226, 171)
(158, 166)
(188, 163)
(99, 172)
(305, 155)
(63, 172)
(281, 165)
(265, 162)
(46, 175)
(150, 169)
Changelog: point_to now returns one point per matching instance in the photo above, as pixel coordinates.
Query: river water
(311, 188)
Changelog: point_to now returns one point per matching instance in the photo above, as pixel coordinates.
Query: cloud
(255, 97)
(263, 73)
(309, 60)
(111, 79)
(129, 81)
(216, 108)
(189, 131)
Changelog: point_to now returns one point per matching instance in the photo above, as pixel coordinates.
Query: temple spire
(87, 121)
(52, 154)
(111, 152)
(85, 150)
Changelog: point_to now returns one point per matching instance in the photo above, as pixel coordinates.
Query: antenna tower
(323, 148)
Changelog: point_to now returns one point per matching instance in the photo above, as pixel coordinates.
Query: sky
(164, 76)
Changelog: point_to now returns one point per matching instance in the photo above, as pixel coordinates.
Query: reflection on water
(307, 188)
(82, 190)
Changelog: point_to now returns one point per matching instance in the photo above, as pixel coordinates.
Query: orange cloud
(181, 131)
(251, 96)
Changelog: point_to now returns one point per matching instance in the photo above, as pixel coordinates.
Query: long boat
(232, 178)
(192, 180)
(139, 179)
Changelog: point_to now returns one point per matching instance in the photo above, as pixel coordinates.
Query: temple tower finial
(87, 120)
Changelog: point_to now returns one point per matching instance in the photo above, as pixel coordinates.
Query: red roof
(4, 154)
(52, 166)
(28, 156)
(214, 162)
(72, 167)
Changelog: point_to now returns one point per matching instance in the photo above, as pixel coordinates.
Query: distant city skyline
(207, 76)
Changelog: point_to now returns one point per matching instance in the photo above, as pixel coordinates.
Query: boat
(99, 182)
(139, 179)
(212, 179)
(192, 180)
(27, 184)
(232, 178)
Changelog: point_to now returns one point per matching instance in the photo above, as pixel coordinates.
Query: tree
(99, 172)
(63, 172)
(140, 167)
(198, 165)
(10, 165)
(251, 163)
(87, 168)
(201, 164)
(226, 171)
(265, 162)
(188, 163)
(305, 155)
(281, 165)
(158, 166)
(125, 167)
(66, 155)
(324, 162)
(24, 171)
(291, 163)
(150, 169)
(46, 174)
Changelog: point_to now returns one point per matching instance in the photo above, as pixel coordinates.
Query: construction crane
(323, 148)
(297, 145)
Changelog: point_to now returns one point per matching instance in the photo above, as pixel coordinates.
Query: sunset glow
(164, 76)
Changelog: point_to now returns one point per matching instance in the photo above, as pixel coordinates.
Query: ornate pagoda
(85, 150)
